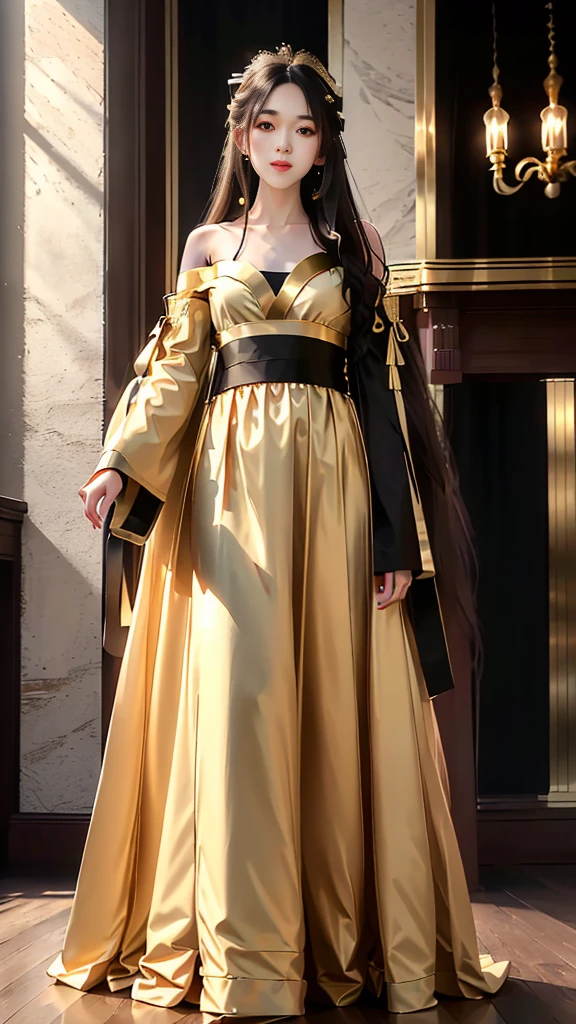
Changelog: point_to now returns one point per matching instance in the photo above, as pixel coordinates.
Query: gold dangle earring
(242, 199)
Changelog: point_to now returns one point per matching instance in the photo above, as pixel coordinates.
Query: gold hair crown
(286, 53)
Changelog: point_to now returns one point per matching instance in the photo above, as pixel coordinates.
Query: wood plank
(556, 999)
(358, 1013)
(494, 933)
(551, 933)
(471, 1011)
(551, 980)
(50, 1006)
(11, 902)
(133, 1012)
(21, 991)
(560, 877)
(518, 1003)
(23, 960)
(523, 915)
(31, 913)
(526, 945)
(28, 887)
(24, 938)
(553, 904)
(544, 882)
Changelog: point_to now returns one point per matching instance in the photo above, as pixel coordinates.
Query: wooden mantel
(505, 316)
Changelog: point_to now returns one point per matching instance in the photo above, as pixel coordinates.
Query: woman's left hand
(392, 586)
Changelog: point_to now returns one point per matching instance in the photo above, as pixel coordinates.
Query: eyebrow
(299, 117)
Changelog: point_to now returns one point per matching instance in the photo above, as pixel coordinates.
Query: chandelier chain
(552, 59)
(495, 69)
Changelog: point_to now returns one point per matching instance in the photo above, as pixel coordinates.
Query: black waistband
(286, 358)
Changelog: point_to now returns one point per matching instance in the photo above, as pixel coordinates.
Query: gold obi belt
(280, 351)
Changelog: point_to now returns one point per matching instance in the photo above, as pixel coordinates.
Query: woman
(270, 818)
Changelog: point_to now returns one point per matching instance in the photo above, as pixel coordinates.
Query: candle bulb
(554, 127)
(496, 121)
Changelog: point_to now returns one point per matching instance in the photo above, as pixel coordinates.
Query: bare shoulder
(377, 247)
(205, 242)
(198, 247)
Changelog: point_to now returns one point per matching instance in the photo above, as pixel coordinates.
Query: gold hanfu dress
(271, 818)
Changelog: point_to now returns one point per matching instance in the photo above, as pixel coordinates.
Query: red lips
(281, 163)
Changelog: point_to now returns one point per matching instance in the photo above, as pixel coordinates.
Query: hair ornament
(286, 54)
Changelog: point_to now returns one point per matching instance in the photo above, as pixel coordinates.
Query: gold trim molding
(482, 275)
(336, 40)
(171, 141)
(560, 404)
(425, 129)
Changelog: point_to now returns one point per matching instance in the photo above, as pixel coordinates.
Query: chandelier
(554, 169)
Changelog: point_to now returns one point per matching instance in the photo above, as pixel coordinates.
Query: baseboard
(55, 842)
(46, 842)
(526, 835)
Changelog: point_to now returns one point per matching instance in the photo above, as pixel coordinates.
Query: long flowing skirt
(272, 817)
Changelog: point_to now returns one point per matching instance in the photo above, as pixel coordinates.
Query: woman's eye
(265, 125)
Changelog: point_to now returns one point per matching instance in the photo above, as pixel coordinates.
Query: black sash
(285, 358)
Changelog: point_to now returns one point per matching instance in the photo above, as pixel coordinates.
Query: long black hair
(337, 227)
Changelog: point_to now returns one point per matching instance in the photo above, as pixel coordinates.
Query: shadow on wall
(87, 14)
(12, 248)
(60, 675)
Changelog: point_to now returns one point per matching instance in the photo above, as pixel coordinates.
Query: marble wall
(61, 401)
(52, 389)
(379, 81)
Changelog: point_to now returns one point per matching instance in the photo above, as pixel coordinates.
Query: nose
(282, 143)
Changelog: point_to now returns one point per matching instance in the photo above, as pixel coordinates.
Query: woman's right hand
(105, 488)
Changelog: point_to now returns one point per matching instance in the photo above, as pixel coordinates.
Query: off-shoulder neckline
(273, 304)
(269, 270)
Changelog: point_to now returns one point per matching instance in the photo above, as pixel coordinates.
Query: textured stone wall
(379, 107)
(61, 400)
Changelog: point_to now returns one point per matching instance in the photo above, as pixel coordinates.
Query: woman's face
(284, 141)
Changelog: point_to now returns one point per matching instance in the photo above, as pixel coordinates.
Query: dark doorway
(215, 40)
(498, 433)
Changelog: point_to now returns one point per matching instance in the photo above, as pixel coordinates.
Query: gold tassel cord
(397, 335)
(394, 359)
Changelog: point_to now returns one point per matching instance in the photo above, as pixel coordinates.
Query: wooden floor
(527, 915)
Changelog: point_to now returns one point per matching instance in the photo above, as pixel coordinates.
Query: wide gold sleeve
(147, 425)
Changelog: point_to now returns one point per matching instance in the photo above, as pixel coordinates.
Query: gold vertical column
(336, 39)
(562, 584)
(171, 122)
(425, 129)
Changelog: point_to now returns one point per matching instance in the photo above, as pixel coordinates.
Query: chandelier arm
(502, 188)
(527, 167)
(565, 169)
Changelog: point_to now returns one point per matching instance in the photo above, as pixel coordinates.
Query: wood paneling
(47, 842)
(135, 182)
(12, 513)
(527, 835)
(135, 207)
(518, 338)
